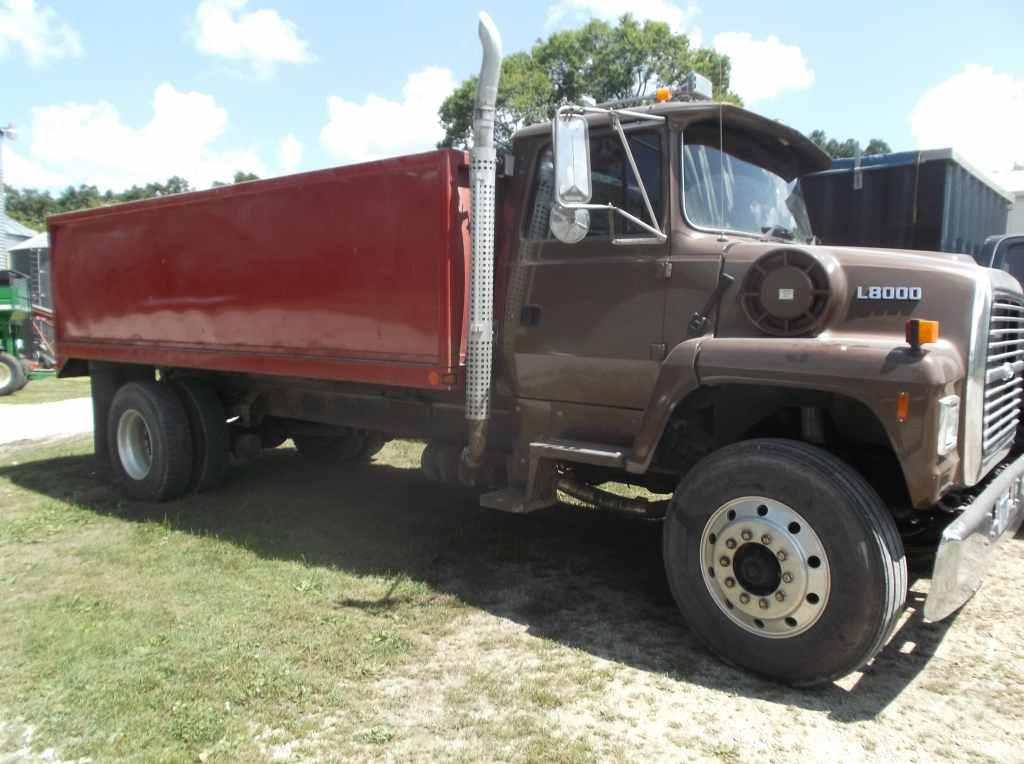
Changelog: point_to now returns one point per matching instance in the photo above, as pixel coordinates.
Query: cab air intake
(787, 293)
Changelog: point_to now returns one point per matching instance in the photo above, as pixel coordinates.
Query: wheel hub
(134, 444)
(765, 567)
(5, 375)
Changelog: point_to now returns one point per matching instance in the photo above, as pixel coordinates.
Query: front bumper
(968, 541)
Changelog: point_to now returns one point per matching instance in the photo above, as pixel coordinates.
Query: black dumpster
(929, 200)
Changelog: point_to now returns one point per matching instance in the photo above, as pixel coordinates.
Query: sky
(118, 92)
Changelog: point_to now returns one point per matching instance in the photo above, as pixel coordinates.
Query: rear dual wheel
(347, 447)
(165, 439)
(784, 561)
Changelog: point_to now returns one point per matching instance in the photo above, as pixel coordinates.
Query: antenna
(721, 159)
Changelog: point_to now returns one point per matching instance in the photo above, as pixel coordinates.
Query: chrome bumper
(967, 541)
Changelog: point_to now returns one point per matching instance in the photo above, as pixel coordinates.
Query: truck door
(589, 315)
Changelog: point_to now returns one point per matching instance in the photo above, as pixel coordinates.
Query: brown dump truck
(632, 295)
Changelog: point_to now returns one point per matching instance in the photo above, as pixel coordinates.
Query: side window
(613, 183)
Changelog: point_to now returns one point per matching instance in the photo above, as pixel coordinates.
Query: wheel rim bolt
(744, 598)
(747, 535)
(730, 582)
(781, 555)
(724, 562)
(780, 596)
(730, 543)
(787, 578)
(762, 603)
(766, 539)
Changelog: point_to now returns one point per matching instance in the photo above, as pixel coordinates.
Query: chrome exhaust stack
(483, 172)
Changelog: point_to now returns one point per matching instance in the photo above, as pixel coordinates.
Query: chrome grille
(1004, 387)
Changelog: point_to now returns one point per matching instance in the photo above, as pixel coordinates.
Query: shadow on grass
(590, 581)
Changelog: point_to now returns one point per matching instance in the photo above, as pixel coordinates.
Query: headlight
(949, 424)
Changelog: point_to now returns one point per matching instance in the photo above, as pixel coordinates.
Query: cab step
(539, 491)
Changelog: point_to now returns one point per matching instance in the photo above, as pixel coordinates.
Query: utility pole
(5, 260)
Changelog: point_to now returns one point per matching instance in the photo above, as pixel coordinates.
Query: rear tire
(211, 440)
(150, 445)
(353, 446)
(784, 561)
(12, 375)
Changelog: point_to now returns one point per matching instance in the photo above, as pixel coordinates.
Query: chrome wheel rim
(134, 444)
(765, 567)
(5, 375)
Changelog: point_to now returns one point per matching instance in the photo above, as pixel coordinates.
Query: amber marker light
(920, 331)
(902, 406)
(663, 94)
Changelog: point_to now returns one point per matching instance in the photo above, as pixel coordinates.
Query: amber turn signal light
(920, 331)
(663, 94)
(902, 407)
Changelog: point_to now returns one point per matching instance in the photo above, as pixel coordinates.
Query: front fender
(872, 370)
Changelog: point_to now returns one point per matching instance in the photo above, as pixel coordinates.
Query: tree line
(30, 207)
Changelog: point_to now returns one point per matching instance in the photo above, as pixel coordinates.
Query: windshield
(721, 191)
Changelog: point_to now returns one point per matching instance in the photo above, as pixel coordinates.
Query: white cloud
(89, 143)
(979, 112)
(262, 37)
(289, 153)
(38, 31)
(763, 69)
(22, 172)
(379, 127)
(574, 12)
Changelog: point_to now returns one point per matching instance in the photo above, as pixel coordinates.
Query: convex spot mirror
(569, 226)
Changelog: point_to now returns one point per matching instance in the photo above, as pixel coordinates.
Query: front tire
(784, 561)
(149, 442)
(12, 375)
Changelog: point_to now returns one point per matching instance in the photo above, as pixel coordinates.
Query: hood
(868, 293)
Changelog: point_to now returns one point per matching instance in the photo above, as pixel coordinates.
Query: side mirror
(572, 159)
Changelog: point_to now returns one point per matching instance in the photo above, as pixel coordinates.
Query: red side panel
(355, 273)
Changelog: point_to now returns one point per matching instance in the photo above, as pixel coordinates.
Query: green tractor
(15, 313)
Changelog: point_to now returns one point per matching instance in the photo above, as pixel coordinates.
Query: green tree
(847, 149)
(598, 60)
(31, 207)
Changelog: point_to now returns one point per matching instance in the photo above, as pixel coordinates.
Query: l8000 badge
(889, 293)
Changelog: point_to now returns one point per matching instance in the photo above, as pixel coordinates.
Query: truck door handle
(529, 315)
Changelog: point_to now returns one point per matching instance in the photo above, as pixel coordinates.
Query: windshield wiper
(778, 232)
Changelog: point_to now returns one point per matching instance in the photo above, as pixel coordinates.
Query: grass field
(368, 614)
(48, 389)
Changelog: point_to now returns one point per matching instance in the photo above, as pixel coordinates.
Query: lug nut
(724, 562)
(766, 539)
(730, 543)
(780, 596)
(762, 603)
(747, 535)
(787, 578)
(744, 598)
(730, 582)
(781, 555)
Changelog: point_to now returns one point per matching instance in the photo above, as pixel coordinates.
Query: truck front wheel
(784, 561)
(149, 441)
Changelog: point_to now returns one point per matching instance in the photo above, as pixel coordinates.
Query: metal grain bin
(930, 200)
